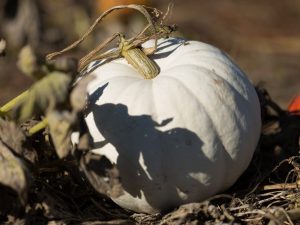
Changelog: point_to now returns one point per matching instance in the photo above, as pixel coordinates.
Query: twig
(255, 211)
(156, 31)
(246, 206)
(280, 186)
(227, 213)
(91, 55)
(271, 198)
(278, 202)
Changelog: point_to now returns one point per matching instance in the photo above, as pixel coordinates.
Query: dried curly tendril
(131, 48)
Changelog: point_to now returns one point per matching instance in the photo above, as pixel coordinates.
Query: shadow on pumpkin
(170, 157)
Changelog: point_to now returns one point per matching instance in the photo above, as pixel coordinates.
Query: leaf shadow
(158, 164)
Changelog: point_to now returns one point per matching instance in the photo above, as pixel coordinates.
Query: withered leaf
(13, 173)
(78, 95)
(66, 64)
(185, 214)
(60, 126)
(102, 174)
(44, 95)
(12, 136)
(27, 61)
(84, 142)
(82, 138)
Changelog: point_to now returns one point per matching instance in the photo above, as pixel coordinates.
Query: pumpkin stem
(138, 59)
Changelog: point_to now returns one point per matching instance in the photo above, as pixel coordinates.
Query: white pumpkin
(181, 137)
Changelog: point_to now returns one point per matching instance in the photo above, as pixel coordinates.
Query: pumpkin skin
(181, 137)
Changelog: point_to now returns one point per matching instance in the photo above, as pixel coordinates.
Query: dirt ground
(263, 37)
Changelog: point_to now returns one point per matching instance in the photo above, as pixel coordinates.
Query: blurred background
(263, 37)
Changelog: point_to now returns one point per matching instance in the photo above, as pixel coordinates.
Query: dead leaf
(27, 61)
(78, 97)
(85, 141)
(102, 174)
(185, 214)
(60, 126)
(82, 138)
(13, 137)
(13, 173)
(44, 95)
(66, 64)
(14, 220)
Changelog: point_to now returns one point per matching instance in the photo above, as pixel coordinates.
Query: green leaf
(44, 95)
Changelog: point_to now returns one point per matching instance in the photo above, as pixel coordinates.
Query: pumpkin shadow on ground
(170, 157)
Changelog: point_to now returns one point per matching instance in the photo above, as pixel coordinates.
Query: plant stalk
(38, 127)
(12, 103)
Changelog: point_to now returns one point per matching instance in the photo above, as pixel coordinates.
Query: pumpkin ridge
(213, 53)
(108, 81)
(220, 140)
(237, 84)
(158, 138)
(209, 74)
(164, 77)
(204, 48)
(230, 86)
(241, 162)
(192, 96)
(120, 98)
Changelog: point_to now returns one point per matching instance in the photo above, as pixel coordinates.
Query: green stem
(38, 127)
(12, 103)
